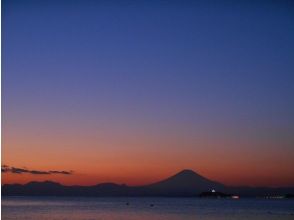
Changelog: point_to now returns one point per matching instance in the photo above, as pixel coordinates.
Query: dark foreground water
(44, 208)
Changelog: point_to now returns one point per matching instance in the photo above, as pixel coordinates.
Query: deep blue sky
(214, 69)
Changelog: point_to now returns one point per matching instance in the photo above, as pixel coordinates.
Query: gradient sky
(133, 92)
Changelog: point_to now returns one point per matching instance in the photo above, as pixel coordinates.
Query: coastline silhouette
(186, 183)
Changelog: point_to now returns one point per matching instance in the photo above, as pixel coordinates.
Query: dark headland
(186, 183)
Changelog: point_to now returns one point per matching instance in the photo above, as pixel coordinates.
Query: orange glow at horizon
(137, 157)
(139, 178)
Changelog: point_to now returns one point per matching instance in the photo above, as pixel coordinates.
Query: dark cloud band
(8, 169)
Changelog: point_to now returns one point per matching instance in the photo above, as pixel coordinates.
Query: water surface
(45, 208)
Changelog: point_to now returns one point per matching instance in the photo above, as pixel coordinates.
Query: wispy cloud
(8, 169)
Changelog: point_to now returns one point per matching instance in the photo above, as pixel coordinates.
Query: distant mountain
(184, 183)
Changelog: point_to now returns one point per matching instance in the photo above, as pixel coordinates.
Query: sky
(135, 91)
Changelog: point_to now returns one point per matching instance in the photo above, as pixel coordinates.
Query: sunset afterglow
(135, 92)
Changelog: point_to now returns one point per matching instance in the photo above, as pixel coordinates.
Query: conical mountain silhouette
(186, 181)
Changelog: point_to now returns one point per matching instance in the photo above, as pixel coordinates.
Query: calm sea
(44, 208)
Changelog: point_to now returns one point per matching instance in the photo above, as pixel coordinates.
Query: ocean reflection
(45, 208)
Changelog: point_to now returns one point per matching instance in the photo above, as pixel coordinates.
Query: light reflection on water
(45, 208)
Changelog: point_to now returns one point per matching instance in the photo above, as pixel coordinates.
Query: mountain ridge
(184, 183)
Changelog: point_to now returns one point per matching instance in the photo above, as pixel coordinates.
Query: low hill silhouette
(184, 183)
